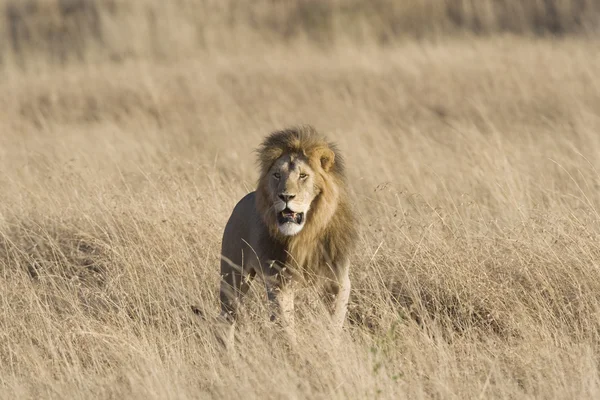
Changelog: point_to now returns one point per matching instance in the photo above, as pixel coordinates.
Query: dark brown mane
(303, 139)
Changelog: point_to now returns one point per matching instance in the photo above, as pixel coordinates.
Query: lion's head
(300, 180)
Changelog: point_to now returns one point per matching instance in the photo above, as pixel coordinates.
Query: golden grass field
(473, 165)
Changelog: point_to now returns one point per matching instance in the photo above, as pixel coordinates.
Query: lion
(296, 228)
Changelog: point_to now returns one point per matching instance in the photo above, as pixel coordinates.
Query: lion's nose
(286, 197)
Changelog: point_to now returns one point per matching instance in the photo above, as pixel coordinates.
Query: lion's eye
(303, 176)
(277, 175)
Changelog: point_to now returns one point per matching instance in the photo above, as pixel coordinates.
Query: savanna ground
(472, 134)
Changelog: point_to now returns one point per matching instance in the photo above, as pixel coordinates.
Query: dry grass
(474, 170)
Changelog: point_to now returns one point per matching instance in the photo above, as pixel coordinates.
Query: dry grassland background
(472, 131)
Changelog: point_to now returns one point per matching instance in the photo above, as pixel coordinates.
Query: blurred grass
(62, 30)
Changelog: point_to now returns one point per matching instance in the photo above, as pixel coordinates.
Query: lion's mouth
(288, 216)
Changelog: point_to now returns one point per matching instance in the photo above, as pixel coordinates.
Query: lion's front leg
(339, 294)
(282, 299)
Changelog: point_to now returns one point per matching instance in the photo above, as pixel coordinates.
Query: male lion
(296, 227)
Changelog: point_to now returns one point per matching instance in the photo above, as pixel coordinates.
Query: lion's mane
(331, 229)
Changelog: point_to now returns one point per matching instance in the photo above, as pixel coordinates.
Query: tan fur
(319, 254)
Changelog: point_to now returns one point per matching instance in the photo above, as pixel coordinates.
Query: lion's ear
(327, 158)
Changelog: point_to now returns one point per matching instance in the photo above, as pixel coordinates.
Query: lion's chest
(303, 259)
(309, 261)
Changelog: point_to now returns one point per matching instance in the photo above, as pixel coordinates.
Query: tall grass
(472, 165)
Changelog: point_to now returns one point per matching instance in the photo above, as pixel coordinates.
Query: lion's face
(292, 186)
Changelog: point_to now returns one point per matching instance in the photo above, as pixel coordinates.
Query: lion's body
(316, 249)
